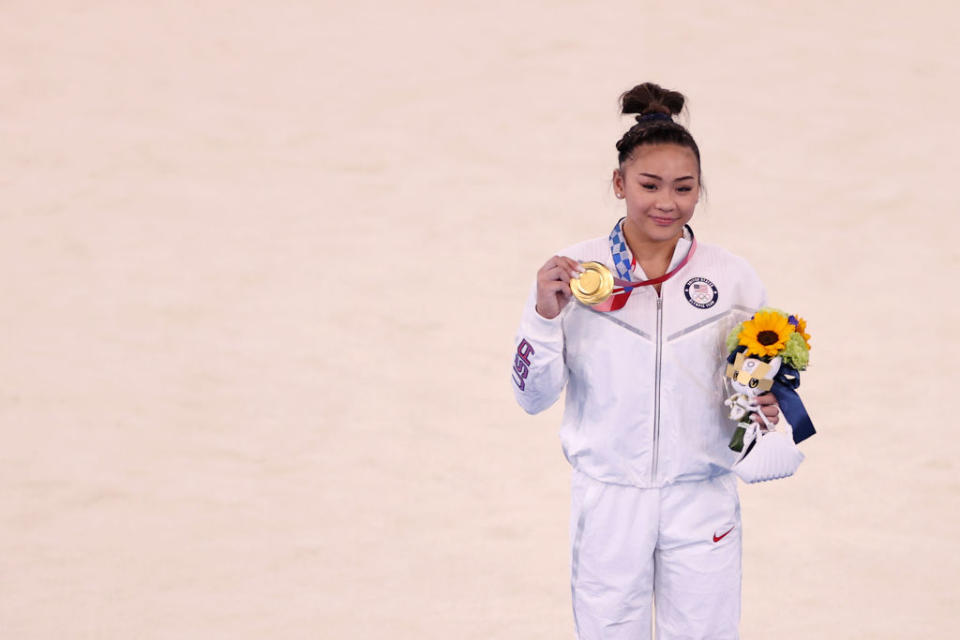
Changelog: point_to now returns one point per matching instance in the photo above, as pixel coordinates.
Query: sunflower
(766, 333)
(801, 328)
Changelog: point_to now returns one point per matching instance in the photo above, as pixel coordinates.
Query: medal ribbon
(624, 265)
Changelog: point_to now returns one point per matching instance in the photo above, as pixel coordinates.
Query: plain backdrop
(262, 263)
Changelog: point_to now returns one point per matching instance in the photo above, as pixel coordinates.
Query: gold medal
(594, 285)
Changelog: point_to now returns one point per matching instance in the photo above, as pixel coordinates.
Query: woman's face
(661, 185)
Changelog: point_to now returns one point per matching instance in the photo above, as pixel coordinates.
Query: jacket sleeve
(539, 371)
(755, 292)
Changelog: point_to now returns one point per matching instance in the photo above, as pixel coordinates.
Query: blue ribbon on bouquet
(784, 388)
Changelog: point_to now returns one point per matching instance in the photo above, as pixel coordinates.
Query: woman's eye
(649, 186)
(684, 189)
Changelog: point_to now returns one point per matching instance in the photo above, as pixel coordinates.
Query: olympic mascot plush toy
(766, 354)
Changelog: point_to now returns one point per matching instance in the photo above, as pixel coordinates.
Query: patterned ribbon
(622, 261)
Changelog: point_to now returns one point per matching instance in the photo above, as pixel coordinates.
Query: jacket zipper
(656, 391)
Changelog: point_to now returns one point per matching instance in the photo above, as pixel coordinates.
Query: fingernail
(581, 269)
(574, 274)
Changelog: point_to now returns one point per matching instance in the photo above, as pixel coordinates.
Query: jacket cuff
(544, 331)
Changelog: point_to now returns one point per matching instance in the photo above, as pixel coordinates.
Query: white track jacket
(644, 403)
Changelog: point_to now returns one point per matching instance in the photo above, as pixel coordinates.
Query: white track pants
(679, 545)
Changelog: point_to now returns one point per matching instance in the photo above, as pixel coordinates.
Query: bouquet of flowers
(767, 353)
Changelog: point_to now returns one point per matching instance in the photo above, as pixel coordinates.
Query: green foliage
(796, 353)
(733, 338)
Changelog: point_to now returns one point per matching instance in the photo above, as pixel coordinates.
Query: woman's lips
(665, 222)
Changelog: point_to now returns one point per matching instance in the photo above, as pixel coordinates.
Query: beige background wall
(262, 264)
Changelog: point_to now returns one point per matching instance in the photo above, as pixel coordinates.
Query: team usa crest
(701, 293)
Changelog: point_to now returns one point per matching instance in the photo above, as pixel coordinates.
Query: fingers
(559, 268)
(767, 399)
(767, 403)
(771, 413)
(565, 270)
(553, 284)
(572, 265)
(764, 426)
(558, 272)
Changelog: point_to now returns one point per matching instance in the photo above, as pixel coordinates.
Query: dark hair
(656, 107)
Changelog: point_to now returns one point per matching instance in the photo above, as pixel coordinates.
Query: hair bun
(649, 98)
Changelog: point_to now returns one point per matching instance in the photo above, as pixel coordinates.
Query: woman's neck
(651, 255)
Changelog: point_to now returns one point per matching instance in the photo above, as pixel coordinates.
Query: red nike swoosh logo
(717, 538)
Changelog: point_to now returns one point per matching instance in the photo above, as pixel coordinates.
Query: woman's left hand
(769, 406)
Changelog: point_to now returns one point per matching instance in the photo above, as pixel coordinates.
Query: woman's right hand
(553, 285)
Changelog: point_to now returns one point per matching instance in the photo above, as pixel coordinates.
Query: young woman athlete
(655, 516)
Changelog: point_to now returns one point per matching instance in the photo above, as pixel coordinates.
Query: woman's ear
(617, 181)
